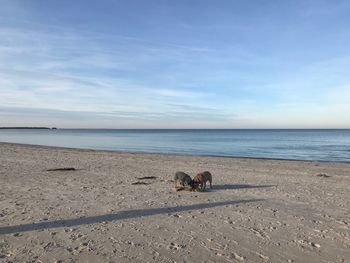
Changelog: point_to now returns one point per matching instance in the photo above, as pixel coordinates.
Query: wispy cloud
(63, 72)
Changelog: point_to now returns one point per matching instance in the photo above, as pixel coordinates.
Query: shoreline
(258, 210)
(173, 154)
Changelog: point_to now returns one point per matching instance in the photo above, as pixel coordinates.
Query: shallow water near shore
(313, 145)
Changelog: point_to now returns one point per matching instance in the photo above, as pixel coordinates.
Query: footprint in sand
(175, 246)
(259, 233)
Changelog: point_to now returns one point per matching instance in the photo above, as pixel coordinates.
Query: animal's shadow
(237, 186)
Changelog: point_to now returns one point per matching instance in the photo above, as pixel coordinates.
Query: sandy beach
(258, 210)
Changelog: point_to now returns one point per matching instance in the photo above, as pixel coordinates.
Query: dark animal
(183, 178)
(201, 180)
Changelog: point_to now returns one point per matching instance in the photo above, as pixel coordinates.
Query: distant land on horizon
(24, 128)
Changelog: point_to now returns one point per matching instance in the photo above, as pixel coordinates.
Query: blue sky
(175, 64)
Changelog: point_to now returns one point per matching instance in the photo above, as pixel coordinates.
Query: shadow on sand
(237, 186)
(117, 216)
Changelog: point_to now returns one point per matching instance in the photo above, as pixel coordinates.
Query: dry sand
(258, 210)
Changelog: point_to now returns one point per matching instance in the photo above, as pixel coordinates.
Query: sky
(175, 64)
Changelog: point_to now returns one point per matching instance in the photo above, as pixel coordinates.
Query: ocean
(313, 145)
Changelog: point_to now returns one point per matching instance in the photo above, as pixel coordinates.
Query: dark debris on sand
(147, 177)
(62, 169)
(144, 183)
(323, 175)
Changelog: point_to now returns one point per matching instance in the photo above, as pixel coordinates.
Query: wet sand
(258, 210)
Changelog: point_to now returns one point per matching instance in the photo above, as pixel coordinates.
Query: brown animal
(201, 180)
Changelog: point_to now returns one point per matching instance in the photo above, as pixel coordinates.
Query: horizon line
(80, 128)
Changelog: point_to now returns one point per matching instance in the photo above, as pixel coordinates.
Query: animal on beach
(200, 180)
(183, 178)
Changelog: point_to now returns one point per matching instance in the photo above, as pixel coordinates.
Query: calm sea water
(321, 145)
